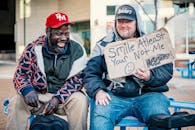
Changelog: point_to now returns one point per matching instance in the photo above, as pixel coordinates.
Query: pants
(142, 107)
(75, 108)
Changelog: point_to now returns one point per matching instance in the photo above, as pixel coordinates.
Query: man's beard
(55, 48)
(60, 50)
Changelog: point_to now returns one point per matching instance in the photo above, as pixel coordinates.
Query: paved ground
(180, 89)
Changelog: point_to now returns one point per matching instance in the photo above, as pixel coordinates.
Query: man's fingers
(102, 102)
(34, 102)
(107, 102)
(102, 98)
(137, 75)
(108, 96)
(49, 110)
(141, 70)
(96, 102)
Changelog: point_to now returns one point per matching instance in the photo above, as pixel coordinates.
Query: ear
(48, 31)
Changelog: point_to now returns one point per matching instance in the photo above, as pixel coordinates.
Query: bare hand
(51, 106)
(102, 98)
(31, 99)
(142, 74)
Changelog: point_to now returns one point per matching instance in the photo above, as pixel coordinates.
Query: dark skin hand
(51, 106)
(31, 99)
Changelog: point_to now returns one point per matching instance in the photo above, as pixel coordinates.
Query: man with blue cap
(138, 95)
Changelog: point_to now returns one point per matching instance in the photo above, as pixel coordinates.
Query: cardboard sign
(149, 51)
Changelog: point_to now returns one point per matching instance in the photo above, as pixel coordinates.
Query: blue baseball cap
(125, 12)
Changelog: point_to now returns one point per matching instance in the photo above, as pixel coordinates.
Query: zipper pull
(55, 61)
(140, 90)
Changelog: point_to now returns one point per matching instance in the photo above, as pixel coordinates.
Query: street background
(180, 89)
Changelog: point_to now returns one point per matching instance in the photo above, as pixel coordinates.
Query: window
(4, 5)
(82, 30)
(149, 8)
(185, 35)
(149, 26)
(111, 10)
(191, 37)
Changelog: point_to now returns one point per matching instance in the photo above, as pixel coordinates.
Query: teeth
(61, 44)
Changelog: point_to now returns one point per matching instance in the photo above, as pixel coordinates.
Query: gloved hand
(31, 99)
(51, 106)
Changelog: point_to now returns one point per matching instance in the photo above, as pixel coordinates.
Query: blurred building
(24, 20)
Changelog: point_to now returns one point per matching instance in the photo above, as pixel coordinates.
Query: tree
(154, 22)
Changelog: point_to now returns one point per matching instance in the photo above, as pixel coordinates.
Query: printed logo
(125, 10)
(60, 17)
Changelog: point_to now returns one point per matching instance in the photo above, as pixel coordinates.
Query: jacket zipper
(55, 61)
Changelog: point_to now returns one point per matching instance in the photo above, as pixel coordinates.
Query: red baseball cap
(57, 19)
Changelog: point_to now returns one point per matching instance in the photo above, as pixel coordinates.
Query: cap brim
(125, 17)
(60, 24)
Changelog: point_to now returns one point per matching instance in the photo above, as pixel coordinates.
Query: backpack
(50, 122)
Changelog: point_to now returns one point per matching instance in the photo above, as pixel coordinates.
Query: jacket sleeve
(93, 76)
(160, 75)
(23, 73)
(94, 71)
(73, 84)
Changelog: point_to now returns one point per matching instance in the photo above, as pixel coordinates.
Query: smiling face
(58, 37)
(126, 28)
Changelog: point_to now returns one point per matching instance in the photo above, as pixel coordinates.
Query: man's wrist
(24, 91)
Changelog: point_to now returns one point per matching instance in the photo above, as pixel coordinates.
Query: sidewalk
(7, 69)
(180, 89)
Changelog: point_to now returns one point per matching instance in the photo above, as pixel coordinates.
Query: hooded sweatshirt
(96, 75)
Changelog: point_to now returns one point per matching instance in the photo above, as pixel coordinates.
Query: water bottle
(6, 104)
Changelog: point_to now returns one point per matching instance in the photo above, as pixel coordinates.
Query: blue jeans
(142, 107)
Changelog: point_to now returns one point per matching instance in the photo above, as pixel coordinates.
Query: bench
(188, 72)
(131, 121)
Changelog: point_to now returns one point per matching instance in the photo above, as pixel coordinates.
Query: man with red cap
(48, 77)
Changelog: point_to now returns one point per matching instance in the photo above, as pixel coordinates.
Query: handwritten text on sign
(149, 51)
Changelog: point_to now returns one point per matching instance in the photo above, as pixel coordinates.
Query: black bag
(177, 120)
(50, 122)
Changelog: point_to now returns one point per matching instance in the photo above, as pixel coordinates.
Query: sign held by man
(148, 51)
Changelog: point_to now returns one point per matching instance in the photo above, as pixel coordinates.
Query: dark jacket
(96, 74)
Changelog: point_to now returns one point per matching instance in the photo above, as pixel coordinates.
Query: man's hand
(51, 106)
(142, 74)
(102, 98)
(31, 99)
